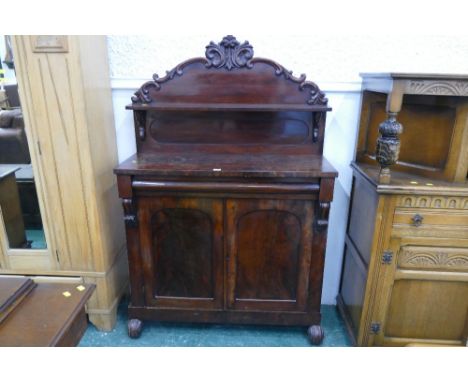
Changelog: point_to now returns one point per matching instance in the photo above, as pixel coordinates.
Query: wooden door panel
(424, 295)
(427, 309)
(182, 251)
(269, 250)
(268, 254)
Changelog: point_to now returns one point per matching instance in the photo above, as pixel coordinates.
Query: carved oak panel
(430, 258)
(455, 202)
(438, 87)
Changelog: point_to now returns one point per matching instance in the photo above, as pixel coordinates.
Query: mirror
(19, 204)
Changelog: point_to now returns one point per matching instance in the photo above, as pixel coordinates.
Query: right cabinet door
(269, 253)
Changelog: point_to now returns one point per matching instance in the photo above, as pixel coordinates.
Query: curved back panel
(229, 98)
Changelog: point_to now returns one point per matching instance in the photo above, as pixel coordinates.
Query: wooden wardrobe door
(269, 248)
(182, 251)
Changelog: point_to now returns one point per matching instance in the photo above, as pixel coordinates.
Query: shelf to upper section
(189, 106)
(229, 102)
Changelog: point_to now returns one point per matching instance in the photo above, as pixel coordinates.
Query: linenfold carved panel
(230, 54)
(433, 258)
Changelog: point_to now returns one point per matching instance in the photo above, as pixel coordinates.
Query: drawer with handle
(430, 222)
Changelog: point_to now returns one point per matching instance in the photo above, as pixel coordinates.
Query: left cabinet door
(181, 243)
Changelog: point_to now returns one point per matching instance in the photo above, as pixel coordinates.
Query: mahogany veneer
(226, 201)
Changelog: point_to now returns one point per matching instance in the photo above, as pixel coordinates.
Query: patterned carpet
(172, 334)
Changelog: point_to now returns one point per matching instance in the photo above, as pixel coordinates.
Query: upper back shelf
(229, 101)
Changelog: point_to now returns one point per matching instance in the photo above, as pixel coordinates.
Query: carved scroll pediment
(230, 54)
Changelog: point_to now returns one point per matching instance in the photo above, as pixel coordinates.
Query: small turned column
(388, 145)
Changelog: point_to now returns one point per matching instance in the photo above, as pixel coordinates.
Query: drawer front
(426, 222)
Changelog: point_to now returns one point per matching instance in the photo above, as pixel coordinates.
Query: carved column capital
(323, 211)
(388, 145)
(140, 123)
(130, 217)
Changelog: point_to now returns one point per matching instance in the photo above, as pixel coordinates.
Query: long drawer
(427, 222)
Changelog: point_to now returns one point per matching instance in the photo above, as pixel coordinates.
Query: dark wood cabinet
(226, 201)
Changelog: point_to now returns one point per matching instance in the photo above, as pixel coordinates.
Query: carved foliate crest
(230, 54)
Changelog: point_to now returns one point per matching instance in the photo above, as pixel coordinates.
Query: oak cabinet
(405, 272)
(226, 201)
(405, 269)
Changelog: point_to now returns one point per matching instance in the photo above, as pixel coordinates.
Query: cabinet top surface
(412, 76)
(403, 183)
(227, 165)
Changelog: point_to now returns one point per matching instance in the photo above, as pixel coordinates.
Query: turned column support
(322, 211)
(388, 146)
(130, 214)
(388, 143)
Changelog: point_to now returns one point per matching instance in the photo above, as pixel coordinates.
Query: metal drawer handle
(417, 220)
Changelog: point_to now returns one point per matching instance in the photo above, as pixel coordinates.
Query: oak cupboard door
(182, 251)
(269, 245)
(426, 299)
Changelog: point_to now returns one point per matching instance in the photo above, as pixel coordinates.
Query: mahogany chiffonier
(405, 271)
(226, 201)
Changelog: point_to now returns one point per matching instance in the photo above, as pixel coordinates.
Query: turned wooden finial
(388, 146)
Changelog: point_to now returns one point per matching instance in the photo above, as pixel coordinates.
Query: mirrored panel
(19, 204)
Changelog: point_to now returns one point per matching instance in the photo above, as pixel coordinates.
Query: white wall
(333, 62)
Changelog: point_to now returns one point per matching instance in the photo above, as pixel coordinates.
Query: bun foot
(315, 333)
(134, 328)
